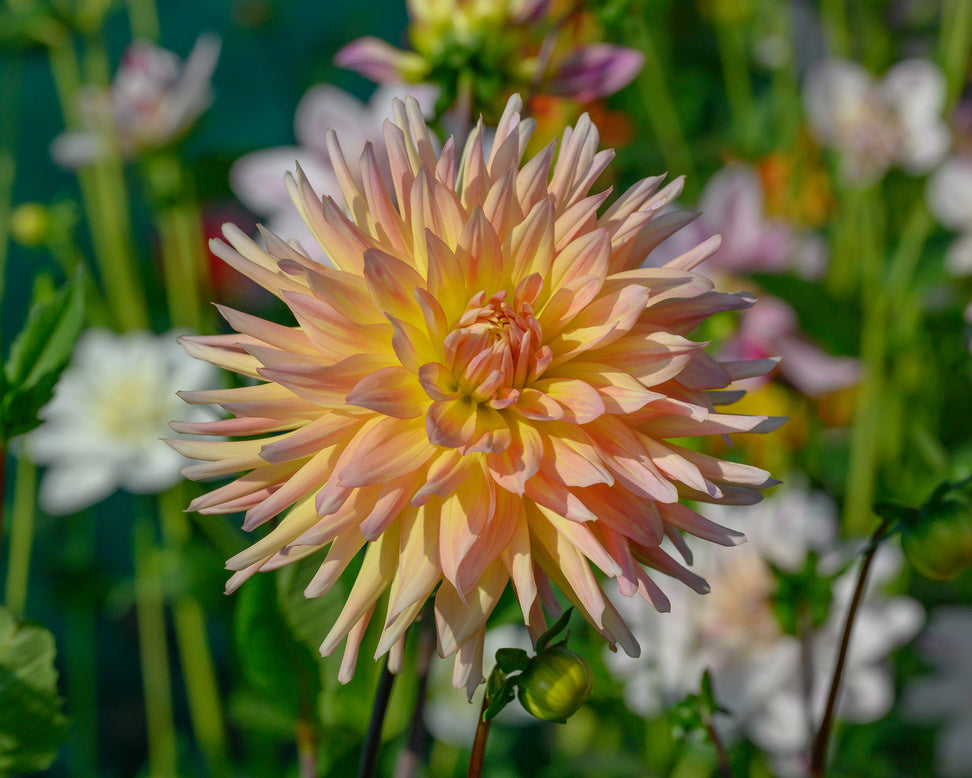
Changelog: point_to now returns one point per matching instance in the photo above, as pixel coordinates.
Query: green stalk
(202, 690)
(739, 88)
(153, 651)
(80, 663)
(661, 114)
(869, 412)
(104, 200)
(834, 15)
(181, 239)
(954, 46)
(144, 19)
(22, 517)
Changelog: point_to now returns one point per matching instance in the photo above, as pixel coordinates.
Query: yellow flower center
(495, 349)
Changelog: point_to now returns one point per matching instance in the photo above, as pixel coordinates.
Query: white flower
(875, 125)
(734, 632)
(946, 694)
(949, 196)
(111, 406)
(153, 100)
(257, 179)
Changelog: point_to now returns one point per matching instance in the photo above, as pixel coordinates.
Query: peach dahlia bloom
(479, 392)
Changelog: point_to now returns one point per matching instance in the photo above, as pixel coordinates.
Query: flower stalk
(202, 690)
(478, 754)
(22, 518)
(153, 652)
(818, 754)
(372, 743)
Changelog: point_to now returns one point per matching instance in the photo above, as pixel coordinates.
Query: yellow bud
(30, 224)
(555, 684)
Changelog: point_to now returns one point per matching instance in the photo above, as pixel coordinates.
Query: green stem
(818, 755)
(80, 663)
(870, 423)
(22, 518)
(834, 15)
(104, 198)
(661, 113)
(202, 690)
(181, 239)
(153, 651)
(739, 89)
(954, 46)
(144, 19)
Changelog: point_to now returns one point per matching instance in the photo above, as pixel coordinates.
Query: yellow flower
(478, 392)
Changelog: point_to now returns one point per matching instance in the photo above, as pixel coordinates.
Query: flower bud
(31, 224)
(939, 543)
(555, 684)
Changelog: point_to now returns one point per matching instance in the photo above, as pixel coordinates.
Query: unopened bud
(938, 544)
(555, 684)
(31, 224)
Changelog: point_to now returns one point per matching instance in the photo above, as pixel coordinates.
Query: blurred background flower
(769, 630)
(111, 407)
(153, 101)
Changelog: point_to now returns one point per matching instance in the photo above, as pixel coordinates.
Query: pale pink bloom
(757, 669)
(257, 179)
(876, 125)
(153, 100)
(480, 391)
(945, 695)
(111, 406)
(733, 205)
(771, 328)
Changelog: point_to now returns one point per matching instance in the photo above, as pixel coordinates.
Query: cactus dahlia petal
(479, 391)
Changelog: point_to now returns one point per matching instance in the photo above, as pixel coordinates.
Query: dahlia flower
(257, 178)
(153, 100)
(111, 405)
(478, 392)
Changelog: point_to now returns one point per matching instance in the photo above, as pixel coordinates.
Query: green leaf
(32, 726)
(559, 626)
(510, 660)
(273, 661)
(502, 698)
(39, 354)
(309, 619)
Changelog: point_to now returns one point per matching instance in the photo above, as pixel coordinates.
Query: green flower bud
(939, 543)
(31, 224)
(555, 684)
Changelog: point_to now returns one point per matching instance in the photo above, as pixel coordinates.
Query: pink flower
(257, 179)
(770, 327)
(481, 391)
(153, 101)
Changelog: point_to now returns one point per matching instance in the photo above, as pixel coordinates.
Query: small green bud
(31, 224)
(938, 543)
(555, 684)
